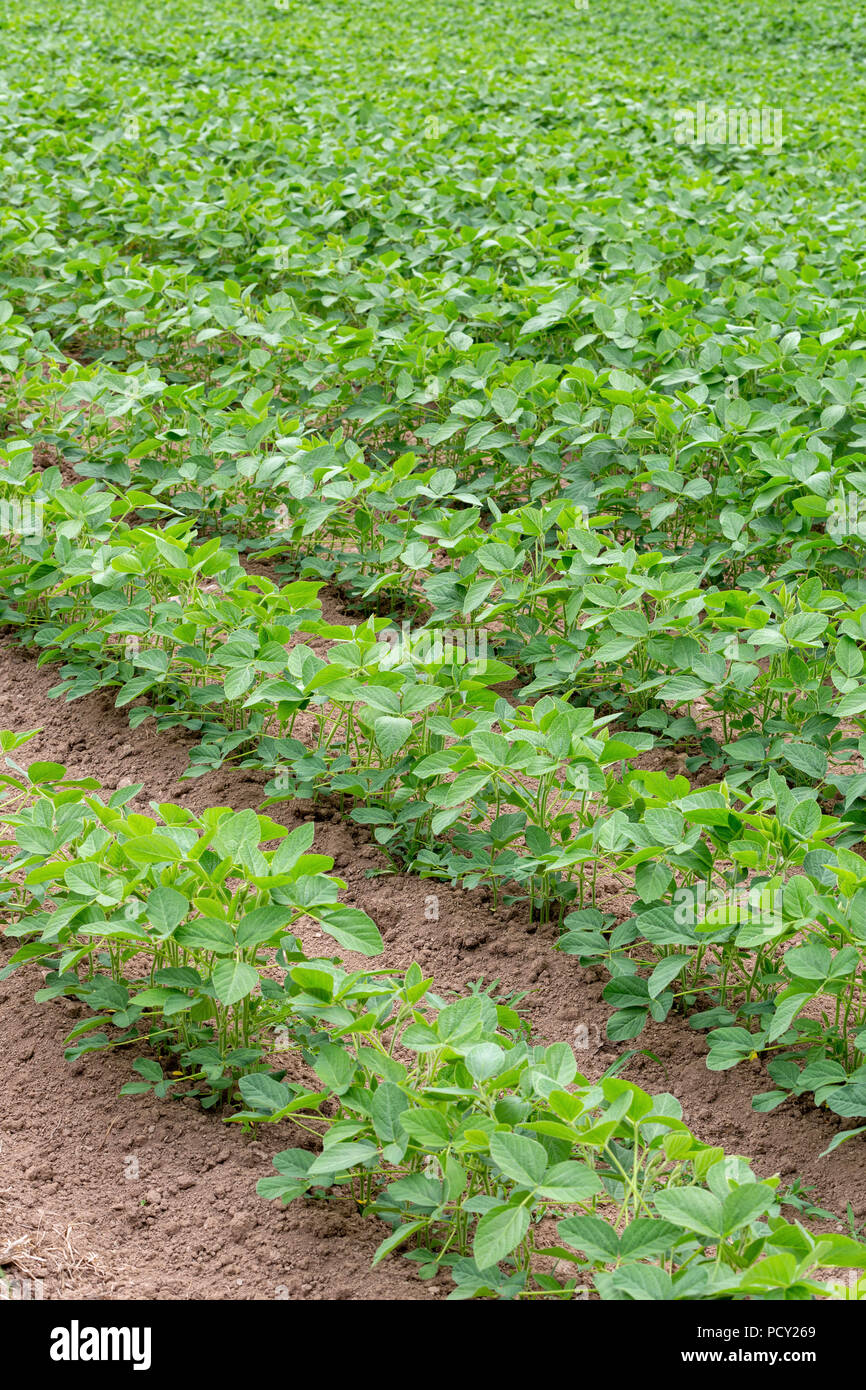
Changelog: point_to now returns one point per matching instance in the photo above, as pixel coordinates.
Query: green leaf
(45, 772)
(262, 924)
(645, 1238)
(498, 1233)
(652, 880)
(146, 1067)
(465, 786)
(523, 1160)
(569, 1182)
(352, 928)
(152, 849)
(692, 1207)
(390, 733)
(290, 850)
(341, 1157)
(594, 1237)
(335, 1067)
(386, 1106)
(428, 1128)
(805, 818)
(744, 1204)
(810, 962)
(484, 1060)
(664, 973)
(842, 1138)
(626, 1024)
(396, 1238)
(849, 657)
(262, 1092)
(206, 934)
(788, 1005)
(805, 757)
(166, 909)
(233, 980)
(238, 681)
(83, 879)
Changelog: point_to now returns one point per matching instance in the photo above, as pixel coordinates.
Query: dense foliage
(536, 334)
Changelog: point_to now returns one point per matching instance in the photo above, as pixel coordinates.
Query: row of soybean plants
(441, 1119)
(614, 649)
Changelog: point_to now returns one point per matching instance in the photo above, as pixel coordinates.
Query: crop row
(438, 314)
(443, 1121)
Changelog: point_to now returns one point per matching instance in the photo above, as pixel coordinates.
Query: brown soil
(190, 1225)
(46, 456)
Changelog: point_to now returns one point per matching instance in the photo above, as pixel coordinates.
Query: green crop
(543, 372)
